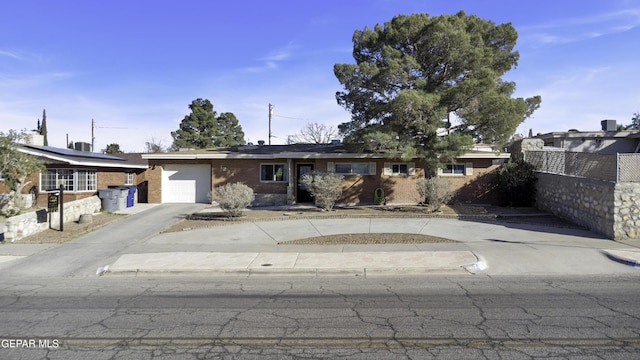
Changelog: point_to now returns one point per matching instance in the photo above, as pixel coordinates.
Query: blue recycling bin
(131, 196)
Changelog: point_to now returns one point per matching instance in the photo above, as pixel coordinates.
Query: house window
(128, 178)
(459, 169)
(85, 180)
(453, 169)
(73, 180)
(352, 168)
(274, 172)
(399, 169)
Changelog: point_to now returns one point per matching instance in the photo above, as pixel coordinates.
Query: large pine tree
(203, 129)
(229, 132)
(416, 74)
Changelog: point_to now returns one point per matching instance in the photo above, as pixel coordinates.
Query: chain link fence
(629, 167)
(609, 167)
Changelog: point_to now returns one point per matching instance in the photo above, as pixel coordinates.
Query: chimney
(608, 125)
(34, 139)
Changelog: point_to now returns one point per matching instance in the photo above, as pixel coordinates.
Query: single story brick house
(81, 172)
(274, 172)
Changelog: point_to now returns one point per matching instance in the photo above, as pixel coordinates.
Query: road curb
(625, 257)
(303, 273)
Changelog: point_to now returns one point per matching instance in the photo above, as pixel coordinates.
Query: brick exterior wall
(358, 189)
(478, 188)
(105, 178)
(248, 173)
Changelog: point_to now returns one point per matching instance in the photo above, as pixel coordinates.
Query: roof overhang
(299, 155)
(78, 161)
(484, 155)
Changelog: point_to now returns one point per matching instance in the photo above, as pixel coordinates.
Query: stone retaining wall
(604, 207)
(17, 227)
(627, 210)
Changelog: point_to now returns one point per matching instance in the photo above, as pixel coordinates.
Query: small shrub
(325, 187)
(232, 198)
(435, 191)
(516, 181)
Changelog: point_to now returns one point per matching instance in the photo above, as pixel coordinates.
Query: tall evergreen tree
(43, 127)
(203, 129)
(229, 132)
(113, 149)
(635, 122)
(414, 72)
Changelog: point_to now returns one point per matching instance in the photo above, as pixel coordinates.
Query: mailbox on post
(55, 203)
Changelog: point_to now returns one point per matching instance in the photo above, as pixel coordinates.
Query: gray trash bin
(122, 192)
(109, 199)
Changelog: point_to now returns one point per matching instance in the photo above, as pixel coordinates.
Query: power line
(292, 118)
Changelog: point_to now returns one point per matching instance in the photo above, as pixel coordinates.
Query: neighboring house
(598, 190)
(81, 172)
(608, 140)
(274, 172)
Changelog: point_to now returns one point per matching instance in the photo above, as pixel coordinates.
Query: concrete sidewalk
(134, 246)
(364, 264)
(495, 248)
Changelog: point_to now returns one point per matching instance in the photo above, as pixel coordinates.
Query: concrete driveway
(492, 248)
(135, 246)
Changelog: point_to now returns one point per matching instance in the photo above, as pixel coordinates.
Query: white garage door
(189, 183)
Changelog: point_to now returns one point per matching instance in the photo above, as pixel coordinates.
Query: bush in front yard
(232, 198)
(435, 191)
(325, 187)
(516, 181)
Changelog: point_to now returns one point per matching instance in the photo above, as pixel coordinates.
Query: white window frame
(74, 180)
(285, 173)
(129, 178)
(370, 168)
(467, 169)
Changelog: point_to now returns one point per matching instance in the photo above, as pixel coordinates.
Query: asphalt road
(421, 318)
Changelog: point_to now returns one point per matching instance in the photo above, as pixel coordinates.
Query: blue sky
(134, 66)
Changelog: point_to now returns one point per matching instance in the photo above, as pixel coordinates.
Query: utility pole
(93, 138)
(270, 113)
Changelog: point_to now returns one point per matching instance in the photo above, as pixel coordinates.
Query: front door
(302, 195)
